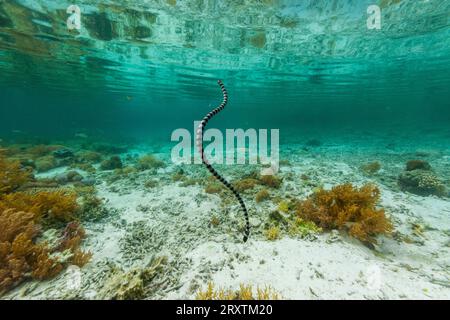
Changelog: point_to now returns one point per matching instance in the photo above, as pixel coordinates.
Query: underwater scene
(224, 149)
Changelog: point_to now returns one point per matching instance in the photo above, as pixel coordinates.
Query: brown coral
(112, 163)
(45, 267)
(371, 167)
(57, 205)
(347, 207)
(12, 175)
(80, 258)
(20, 256)
(46, 163)
(72, 236)
(90, 157)
(245, 184)
(262, 195)
(149, 162)
(42, 150)
(417, 165)
(213, 188)
(21, 215)
(270, 181)
(245, 292)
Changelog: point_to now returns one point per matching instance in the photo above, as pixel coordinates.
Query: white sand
(341, 270)
(317, 270)
(301, 269)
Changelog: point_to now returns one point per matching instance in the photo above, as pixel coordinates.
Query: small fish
(81, 135)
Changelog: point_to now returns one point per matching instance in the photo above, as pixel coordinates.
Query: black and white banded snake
(199, 140)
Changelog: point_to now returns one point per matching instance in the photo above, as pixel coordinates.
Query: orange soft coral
(270, 181)
(42, 150)
(12, 175)
(20, 256)
(80, 258)
(21, 213)
(72, 236)
(56, 205)
(347, 207)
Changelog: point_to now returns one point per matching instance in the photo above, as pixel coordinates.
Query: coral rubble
(131, 285)
(245, 292)
(418, 178)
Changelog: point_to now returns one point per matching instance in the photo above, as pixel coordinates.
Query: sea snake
(209, 167)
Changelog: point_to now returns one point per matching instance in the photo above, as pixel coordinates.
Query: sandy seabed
(174, 221)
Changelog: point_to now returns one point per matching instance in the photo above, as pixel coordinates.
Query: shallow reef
(339, 109)
(40, 229)
(114, 222)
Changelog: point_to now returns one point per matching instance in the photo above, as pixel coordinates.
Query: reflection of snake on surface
(209, 167)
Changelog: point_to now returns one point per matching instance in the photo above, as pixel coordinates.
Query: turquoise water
(91, 110)
(287, 64)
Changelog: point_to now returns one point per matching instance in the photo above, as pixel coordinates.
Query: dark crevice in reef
(99, 26)
(5, 21)
(140, 32)
(136, 15)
